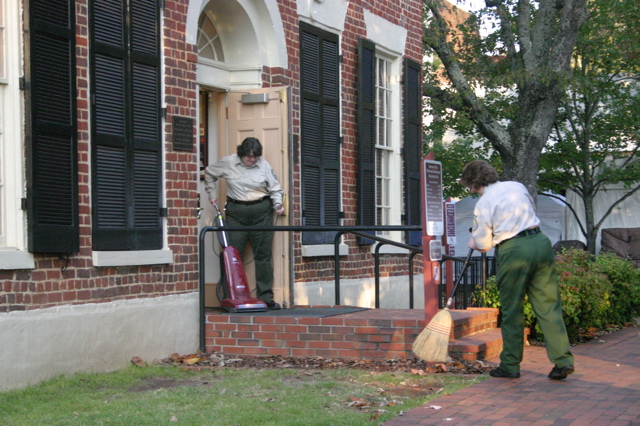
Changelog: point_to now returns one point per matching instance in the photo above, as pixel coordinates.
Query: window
(380, 175)
(3, 72)
(389, 145)
(209, 44)
(384, 142)
(126, 125)
(13, 253)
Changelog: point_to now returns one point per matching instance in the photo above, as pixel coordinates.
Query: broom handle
(464, 268)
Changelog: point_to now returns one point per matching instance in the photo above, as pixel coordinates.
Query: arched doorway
(236, 40)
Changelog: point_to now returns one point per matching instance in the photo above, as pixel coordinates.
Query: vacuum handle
(222, 235)
(464, 269)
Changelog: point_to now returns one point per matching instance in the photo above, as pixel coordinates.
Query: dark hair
(250, 146)
(478, 173)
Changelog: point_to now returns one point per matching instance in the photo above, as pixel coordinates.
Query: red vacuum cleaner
(238, 293)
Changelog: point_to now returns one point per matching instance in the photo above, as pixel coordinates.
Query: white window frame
(388, 143)
(13, 226)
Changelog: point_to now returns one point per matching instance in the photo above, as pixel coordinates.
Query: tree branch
(435, 38)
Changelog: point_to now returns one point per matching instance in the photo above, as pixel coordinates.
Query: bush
(625, 280)
(586, 292)
(596, 293)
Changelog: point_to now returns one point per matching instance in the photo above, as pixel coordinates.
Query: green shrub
(595, 293)
(625, 279)
(585, 291)
(491, 297)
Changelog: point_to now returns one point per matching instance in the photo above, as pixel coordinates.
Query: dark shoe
(559, 373)
(273, 306)
(499, 372)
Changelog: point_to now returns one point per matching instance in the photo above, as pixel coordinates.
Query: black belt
(524, 233)
(248, 203)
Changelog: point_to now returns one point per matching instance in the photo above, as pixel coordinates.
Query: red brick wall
(360, 264)
(57, 281)
(75, 280)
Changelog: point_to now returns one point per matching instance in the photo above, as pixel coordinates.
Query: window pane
(3, 74)
(209, 44)
(384, 142)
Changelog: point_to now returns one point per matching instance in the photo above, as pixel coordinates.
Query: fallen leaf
(358, 402)
(136, 360)
(190, 360)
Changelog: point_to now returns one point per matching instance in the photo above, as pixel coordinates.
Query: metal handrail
(361, 231)
(358, 230)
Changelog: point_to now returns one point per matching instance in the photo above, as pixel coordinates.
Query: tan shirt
(243, 183)
(504, 210)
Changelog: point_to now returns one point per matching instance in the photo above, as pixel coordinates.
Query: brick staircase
(367, 334)
(475, 334)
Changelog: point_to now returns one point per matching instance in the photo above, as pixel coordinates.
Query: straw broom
(432, 344)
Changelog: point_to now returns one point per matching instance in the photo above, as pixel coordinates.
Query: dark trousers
(260, 214)
(526, 266)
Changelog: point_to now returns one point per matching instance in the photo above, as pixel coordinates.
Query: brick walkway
(604, 390)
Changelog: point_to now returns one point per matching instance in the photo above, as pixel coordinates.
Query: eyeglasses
(252, 157)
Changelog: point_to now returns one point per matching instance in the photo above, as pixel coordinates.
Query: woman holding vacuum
(253, 195)
(505, 219)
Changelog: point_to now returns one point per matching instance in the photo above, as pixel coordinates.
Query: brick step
(486, 344)
(482, 345)
(472, 321)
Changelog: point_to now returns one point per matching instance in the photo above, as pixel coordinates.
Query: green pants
(526, 266)
(260, 214)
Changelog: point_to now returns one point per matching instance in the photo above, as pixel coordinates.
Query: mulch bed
(414, 365)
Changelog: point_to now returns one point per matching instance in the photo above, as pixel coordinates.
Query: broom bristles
(432, 344)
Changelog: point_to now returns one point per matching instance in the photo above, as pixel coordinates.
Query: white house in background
(552, 214)
(625, 215)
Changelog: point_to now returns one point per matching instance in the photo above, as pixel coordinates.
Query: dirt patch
(157, 383)
(409, 392)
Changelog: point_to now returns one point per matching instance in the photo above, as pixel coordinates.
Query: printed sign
(450, 221)
(433, 208)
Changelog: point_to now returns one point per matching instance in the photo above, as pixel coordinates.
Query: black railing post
(201, 286)
(336, 253)
(411, 256)
(376, 270)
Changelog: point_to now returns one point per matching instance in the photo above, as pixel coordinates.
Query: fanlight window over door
(209, 44)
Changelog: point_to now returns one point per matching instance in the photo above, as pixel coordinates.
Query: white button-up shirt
(504, 210)
(243, 183)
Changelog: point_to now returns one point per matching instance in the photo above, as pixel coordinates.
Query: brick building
(110, 110)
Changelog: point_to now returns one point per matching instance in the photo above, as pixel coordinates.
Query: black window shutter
(52, 165)
(412, 153)
(126, 174)
(320, 131)
(366, 118)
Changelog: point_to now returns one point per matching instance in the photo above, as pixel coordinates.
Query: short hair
(250, 146)
(478, 173)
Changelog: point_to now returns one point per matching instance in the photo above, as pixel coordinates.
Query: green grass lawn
(152, 395)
